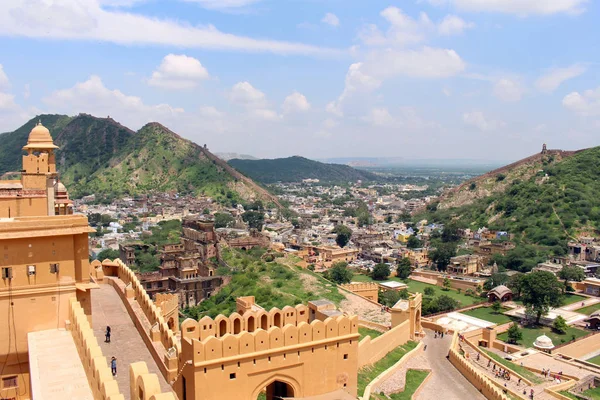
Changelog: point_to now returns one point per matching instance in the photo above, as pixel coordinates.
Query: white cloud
(331, 19)
(295, 102)
(246, 94)
(223, 4)
(93, 97)
(210, 112)
(265, 114)
(552, 79)
(178, 72)
(3, 78)
(406, 31)
(518, 7)
(379, 117)
(480, 121)
(508, 90)
(453, 25)
(7, 101)
(586, 104)
(427, 62)
(119, 3)
(85, 20)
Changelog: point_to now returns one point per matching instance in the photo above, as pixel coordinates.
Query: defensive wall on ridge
(368, 290)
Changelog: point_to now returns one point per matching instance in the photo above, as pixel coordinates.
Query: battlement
(353, 287)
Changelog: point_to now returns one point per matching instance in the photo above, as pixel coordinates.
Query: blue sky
(477, 79)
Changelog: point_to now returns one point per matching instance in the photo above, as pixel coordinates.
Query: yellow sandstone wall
(477, 379)
(372, 350)
(96, 367)
(369, 291)
(312, 358)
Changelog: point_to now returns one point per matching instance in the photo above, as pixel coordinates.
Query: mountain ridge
(297, 168)
(101, 156)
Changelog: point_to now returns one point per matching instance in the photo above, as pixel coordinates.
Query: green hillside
(100, 156)
(295, 169)
(554, 203)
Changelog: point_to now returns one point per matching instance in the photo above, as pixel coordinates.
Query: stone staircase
(512, 384)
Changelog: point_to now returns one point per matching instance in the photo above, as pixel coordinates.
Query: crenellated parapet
(354, 287)
(203, 340)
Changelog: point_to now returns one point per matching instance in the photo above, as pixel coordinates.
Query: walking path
(445, 382)
(126, 343)
(584, 303)
(511, 384)
(356, 305)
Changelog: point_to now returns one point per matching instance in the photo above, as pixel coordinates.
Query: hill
(544, 200)
(295, 169)
(101, 156)
(231, 156)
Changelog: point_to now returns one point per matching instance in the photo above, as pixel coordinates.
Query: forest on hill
(556, 203)
(295, 169)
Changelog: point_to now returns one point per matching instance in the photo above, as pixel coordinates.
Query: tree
(429, 291)
(496, 279)
(403, 270)
(560, 325)
(388, 298)
(108, 253)
(514, 334)
(571, 273)
(364, 219)
(541, 290)
(446, 303)
(254, 219)
(339, 273)
(413, 242)
(496, 307)
(450, 233)
(388, 219)
(224, 220)
(380, 272)
(343, 235)
(515, 283)
(446, 284)
(442, 254)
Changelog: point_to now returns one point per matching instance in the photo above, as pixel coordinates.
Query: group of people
(439, 334)
(113, 360)
(547, 374)
(499, 372)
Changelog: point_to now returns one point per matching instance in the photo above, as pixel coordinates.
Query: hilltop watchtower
(544, 149)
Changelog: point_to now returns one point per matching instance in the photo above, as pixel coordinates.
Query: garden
(488, 314)
(531, 333)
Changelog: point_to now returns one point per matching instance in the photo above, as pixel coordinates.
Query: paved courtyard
(126, 344)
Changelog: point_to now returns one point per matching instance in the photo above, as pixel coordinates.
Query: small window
(10, 382)
(345, 356)
(7, 273)
(232, 376)
(54, 268)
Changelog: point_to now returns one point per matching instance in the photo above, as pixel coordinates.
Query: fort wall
(477, 379)
(372, 350)
(369, 291)
(581, 347)
(95, 364)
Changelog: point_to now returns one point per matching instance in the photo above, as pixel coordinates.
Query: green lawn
(368, 332)
(487, 314)
(367, 373)
(416, 286)
(532, 333)
(594, 360)
(569, 395)
(566, 299)
(592, 393)
(524, 372)
(589, 309)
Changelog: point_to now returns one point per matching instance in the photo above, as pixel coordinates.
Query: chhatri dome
(40, 139)
(544, 343)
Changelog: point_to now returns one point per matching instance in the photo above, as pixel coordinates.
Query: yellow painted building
(43, 259)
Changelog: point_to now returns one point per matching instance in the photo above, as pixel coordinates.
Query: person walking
(107, 335)
(113, 366)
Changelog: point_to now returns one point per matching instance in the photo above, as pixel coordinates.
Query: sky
(417, 79)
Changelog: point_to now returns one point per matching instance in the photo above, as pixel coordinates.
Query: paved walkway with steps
(512, 384)
(445, 379)
(125, 344)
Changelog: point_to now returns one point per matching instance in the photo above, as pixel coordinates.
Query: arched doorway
(278, 390)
